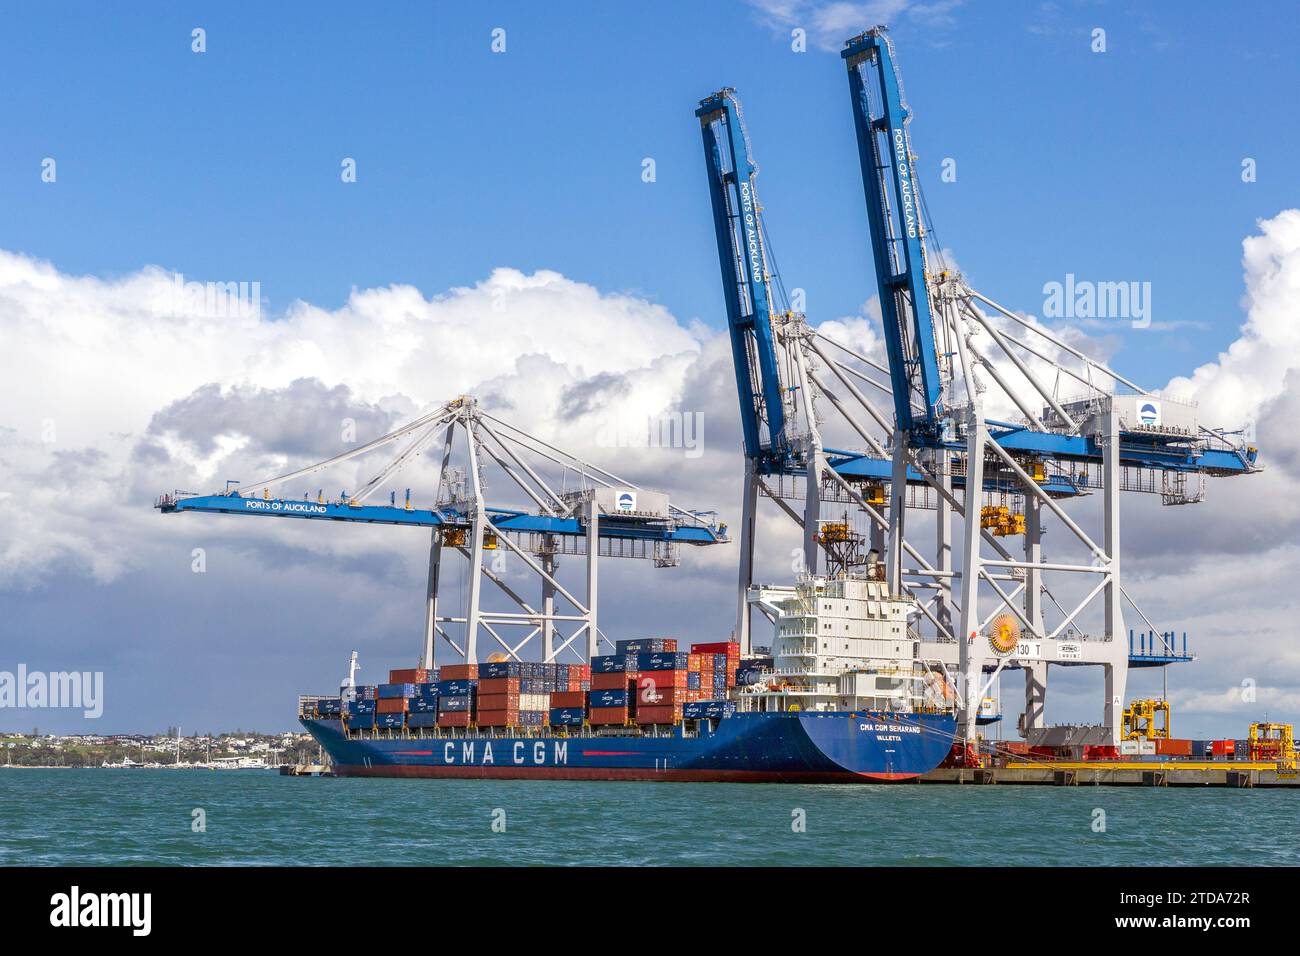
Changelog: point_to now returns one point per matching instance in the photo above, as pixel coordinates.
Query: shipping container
(712, 709)
(1173, 747)
(457, 719)
(496, 670)
(361, 721)
(426, 691)
(606, 716)
(456, 687)
(568, 716)
(653, 661)
(569, 698)
(609, 664)
(329, 707)
(498, 702)
(393, 721)
(617, 681)
(650, 695)
(448, 704)
(390, 705)
(409, 675)
(458, 672)
(498, 718)
(362, 706)
(607, 698)
(421, 720)
(725, 648)
(488, 686)
(422, 705)
(661, 679)
(659, 714)
(656, 645)
(389, 691)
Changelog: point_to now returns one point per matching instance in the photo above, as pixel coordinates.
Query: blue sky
(1123, 165)
(1118, 166)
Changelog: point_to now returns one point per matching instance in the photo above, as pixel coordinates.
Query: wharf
(1242, 774)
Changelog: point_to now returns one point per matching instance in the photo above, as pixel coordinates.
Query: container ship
(842, 697)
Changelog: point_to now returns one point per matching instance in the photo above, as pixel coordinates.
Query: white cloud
(828, 25)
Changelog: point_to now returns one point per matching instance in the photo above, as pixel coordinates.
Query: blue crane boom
(898, 239)
(743, 257)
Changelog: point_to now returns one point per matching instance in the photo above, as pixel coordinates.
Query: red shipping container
(454, 719)
(615, 681)
(730, 648)
(409, 675)
(568, 698)
(652, 696)
(498, 685)
(1100, 752)
(607, 716)
(580, 671)
(1174, 747)
(458, 672)
(1224, 748)
(391, 705)
(660, 679)
(692, 662)
(659, 715)
(498, 718)
(498, 702)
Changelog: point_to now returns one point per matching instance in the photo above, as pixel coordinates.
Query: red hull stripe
(619, 773)
(609, 753)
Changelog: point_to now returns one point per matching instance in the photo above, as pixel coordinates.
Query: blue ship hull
(836, 747)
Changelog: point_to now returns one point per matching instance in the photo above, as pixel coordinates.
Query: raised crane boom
(893, 208)
(743, 256)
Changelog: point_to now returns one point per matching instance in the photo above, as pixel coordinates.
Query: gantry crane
(951, 352)
(572, 507)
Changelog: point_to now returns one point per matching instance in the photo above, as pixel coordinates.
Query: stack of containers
(361, 712)
(661, 687)
(456, 689)
(422, 706)
(726, 654)
(498, 694)
(612, 672)
(390, 709)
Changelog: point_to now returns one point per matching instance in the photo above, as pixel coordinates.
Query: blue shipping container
(392, 691)
(422, 720)
(361, 721)
(451, 705)
(608, 664)
(426, 691)
(567, 716)
(329, 707)
(607, 698)
(656, 661)
(389, 720)
(456, 688)
(498, 669)
(361, 707)
(422, 705)
(656, 645)
(715, 709)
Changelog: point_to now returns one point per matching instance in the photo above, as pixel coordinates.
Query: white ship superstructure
(843, 643)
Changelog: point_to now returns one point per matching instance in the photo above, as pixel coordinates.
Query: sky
(520, 177)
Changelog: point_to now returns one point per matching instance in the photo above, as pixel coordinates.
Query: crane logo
(626, 501)
(1149, 414)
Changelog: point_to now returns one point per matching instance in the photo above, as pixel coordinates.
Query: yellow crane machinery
(1273, 742)
(1140, 720)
